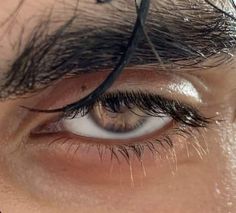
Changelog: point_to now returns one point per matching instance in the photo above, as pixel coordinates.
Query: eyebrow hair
(185, 38)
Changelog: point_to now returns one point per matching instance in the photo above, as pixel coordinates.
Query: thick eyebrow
(186, 34)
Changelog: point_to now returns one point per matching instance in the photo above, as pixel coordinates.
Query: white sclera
(85, 126)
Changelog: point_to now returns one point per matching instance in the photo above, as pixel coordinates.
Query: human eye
(119, 116)
(124, 123)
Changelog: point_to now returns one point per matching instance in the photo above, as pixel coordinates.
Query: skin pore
(43, 173)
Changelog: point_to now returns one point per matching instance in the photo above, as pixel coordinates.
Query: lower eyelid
(77, 149)
(173, 137)
(60, 134)
(93, 156)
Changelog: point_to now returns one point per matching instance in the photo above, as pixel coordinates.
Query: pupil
(118, 122)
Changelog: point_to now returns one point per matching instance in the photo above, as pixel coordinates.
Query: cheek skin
(195, 186)
(227, 138)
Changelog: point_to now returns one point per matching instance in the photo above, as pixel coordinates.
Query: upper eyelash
(150, 104)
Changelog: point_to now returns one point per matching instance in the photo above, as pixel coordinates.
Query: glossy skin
(35, 179)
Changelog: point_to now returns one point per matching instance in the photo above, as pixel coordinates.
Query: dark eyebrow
(190, 35)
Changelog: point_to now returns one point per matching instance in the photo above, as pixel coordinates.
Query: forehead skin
(207, 185)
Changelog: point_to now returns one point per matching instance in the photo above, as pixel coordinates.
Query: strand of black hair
(124, 61)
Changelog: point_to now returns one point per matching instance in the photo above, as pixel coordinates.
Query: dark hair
(142, 13)
(137, 36)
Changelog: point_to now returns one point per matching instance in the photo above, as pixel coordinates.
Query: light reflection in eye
(105, 124)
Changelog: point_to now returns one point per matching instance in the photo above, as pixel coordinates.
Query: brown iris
(126, 120)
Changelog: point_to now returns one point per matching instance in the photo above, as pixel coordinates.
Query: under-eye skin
(125, 124)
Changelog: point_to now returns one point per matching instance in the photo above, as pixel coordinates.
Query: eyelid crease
(180, 87)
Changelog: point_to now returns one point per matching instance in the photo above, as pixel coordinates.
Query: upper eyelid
(17, 86)
(149, 103)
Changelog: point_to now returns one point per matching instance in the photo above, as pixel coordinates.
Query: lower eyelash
(158, 147)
